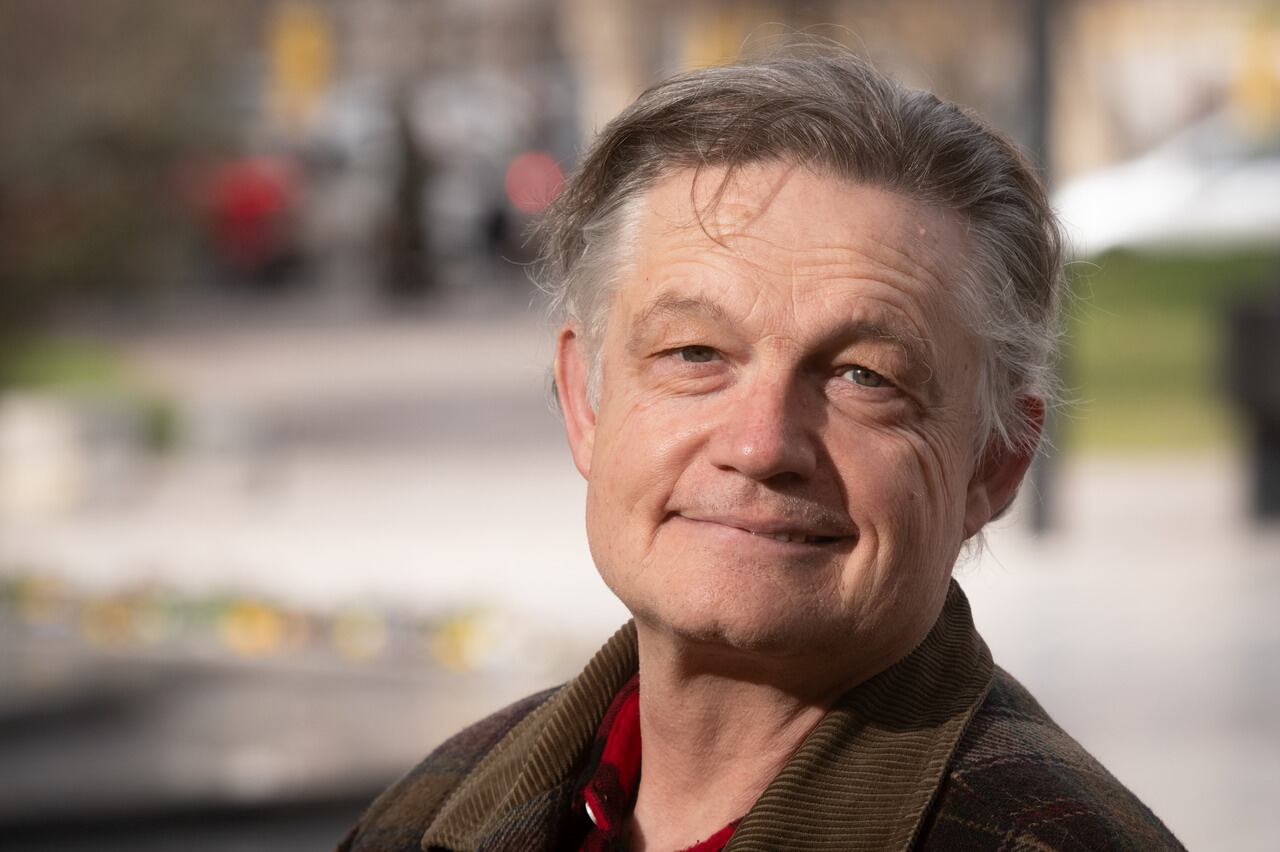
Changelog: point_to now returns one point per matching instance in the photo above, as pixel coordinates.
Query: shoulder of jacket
(1018, 780)
(396, 820)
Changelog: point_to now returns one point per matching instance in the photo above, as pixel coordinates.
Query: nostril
(783, 479)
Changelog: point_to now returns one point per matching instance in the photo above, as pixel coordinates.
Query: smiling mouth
(784, 536)
(798, 538)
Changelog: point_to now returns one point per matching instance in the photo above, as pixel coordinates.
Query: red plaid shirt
(608, 792)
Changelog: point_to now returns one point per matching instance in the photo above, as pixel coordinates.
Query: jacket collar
(862, 780)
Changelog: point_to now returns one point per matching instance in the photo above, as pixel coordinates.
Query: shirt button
(591, 815)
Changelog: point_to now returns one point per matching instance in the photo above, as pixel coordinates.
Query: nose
(766, 432)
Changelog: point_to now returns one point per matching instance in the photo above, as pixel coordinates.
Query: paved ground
(415, 462)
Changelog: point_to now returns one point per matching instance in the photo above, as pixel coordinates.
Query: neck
(711, 738)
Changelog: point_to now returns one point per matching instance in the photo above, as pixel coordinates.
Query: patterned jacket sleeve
(397, 819)
(1018, 781)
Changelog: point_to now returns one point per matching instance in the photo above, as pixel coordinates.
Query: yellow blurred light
(107, 622)
(301, 59)
(1257, 88)
(462, 643)
(41, 600)
(251, 629)
(717, 35)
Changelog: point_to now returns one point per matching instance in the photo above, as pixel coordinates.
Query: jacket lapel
(519, 792)
(862, 780)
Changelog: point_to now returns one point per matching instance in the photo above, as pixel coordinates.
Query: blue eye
(696, 354)
(863, 376)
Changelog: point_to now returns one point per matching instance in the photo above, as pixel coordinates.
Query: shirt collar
(609, 782)
(607, 791)
(863, 778)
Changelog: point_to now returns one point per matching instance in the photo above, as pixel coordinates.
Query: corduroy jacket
(941, 751)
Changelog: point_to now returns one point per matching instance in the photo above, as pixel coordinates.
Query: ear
(571, 370)
(1001, 469)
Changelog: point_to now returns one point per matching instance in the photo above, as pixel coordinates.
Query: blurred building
(1131, 72)
(974, 54)
(1126, 73)
(416, 109)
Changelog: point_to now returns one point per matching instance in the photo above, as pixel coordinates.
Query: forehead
(780, 243)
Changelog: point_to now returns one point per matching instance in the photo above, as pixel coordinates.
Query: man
(810, 316)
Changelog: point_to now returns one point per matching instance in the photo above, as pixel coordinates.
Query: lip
(773, 530)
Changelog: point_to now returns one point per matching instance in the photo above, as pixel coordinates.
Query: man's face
(782, 456)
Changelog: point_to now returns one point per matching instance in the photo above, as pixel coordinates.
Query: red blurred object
(252, 203)
(533, 181)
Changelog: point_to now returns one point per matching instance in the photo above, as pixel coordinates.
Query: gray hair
(837, 115)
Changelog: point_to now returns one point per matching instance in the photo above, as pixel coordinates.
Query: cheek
(645, 450)
(635, 468)
(904, 484)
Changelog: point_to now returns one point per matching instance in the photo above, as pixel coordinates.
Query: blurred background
(282, 501)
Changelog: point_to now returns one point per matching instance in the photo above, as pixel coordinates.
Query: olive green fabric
(890, 739)
(942, 751)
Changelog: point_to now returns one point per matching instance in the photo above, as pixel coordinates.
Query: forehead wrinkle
(904, 259)
(889, 253)
(834, 275)
(881, 253)
(922, 292)
(892, 254)
(897, 287)
(925, 270)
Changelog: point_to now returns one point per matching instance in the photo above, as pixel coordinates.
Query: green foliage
(81, 368)
(1144, 357)
(62, 363)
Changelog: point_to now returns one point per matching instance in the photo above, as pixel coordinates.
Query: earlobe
(1000, 470)
(572, 368)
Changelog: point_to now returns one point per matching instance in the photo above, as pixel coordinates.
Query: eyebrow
(669, 306)
(913, 347)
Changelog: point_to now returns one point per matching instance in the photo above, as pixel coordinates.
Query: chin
(758, 630)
